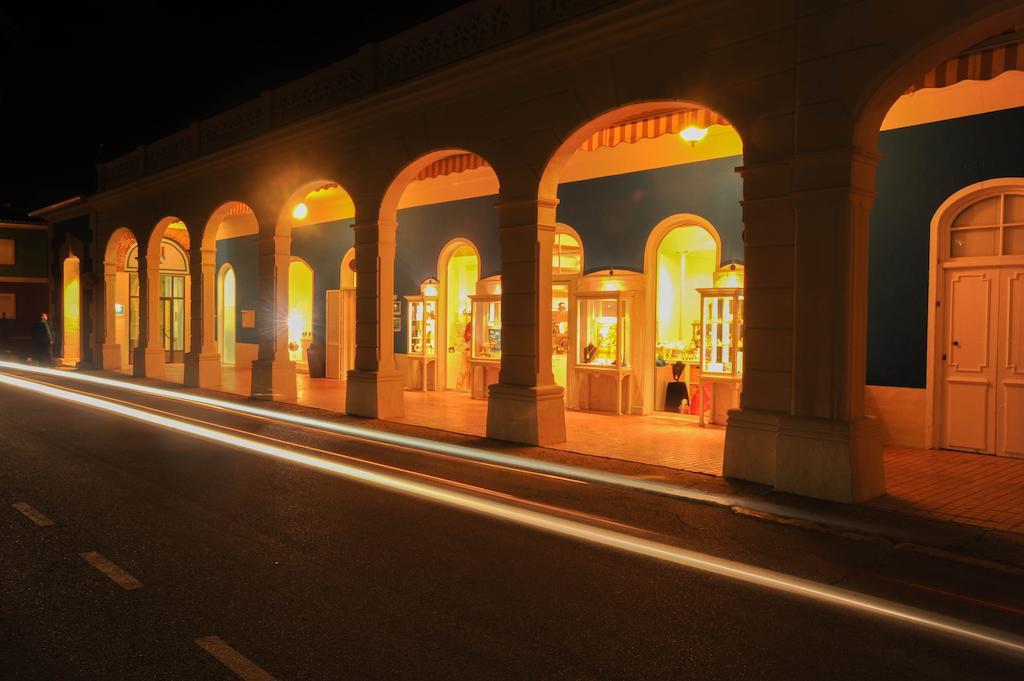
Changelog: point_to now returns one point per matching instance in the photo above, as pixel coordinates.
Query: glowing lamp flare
(300, 211)
(693, 134)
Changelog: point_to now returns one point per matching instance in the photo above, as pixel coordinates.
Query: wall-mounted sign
(119, 309)
(248, 319)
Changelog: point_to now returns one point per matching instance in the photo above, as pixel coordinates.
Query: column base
(149, 363)
(375, 394)
(819, 458)
(533, 415)
(202, 370)
(750, 443)
(834, 460)
(110, 356)
(273, 380)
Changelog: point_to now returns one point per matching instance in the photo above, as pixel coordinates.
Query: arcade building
(644, 239)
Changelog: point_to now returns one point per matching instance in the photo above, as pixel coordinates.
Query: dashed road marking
(116, 574)
(33, 514)
(242, 666)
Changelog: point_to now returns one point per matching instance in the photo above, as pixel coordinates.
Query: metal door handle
(956, 344)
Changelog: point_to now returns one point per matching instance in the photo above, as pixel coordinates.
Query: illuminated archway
(120, 325)
(682, 254)
(300, 310)
(566, 265)
(688, 154)
(72, 311)
(458, 270)
(226, 314)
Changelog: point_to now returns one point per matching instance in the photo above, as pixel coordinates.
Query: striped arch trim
(651, 127)
(628, 132)
(984, 62)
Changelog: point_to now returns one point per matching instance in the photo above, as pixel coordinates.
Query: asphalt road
(308, 575)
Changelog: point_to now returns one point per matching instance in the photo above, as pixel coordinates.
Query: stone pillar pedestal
(202, 370)
(274, 380)
(532, 415)
(110, 356)
(149, 362)
(834, 460)
(273, 374)
(375, 394)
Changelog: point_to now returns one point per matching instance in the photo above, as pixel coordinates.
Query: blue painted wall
(243, 254)
(615, 215)
(921, 167)
(422, 233)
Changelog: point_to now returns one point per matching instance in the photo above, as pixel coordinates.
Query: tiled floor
(972, 489)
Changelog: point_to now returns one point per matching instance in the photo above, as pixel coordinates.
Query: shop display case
(603, 362)
(559, 331)
(721, 352)
(422, 336)
(485, 358)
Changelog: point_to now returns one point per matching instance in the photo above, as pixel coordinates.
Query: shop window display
(486, 331)
(422, 338)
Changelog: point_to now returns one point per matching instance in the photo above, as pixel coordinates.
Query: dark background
(84, 82)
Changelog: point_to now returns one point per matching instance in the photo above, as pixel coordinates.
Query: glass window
(717, 341)
(1013, 240)
(984, 213)
(567, 255)
(487, 329)
(968, 243)
(604, 332)
(1013, 210)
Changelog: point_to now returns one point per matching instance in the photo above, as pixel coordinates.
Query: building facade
(758, 214)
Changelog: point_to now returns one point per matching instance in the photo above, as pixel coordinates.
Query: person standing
(42, 341)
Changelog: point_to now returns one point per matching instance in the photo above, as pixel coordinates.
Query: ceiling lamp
(693, 134)
(300, 211)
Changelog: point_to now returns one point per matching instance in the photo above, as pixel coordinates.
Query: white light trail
(749, 574)
(399, 440)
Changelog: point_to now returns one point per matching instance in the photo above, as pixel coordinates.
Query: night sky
(86, 82)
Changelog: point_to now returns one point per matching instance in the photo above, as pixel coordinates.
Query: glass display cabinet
(422, 336)
(721, 351)
(485, 358)
(603, 362)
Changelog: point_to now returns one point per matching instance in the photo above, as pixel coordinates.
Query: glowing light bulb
(693, 134)
(300, 211)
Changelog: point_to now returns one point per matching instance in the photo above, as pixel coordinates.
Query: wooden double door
(982, 347)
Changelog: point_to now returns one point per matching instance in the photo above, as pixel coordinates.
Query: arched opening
(566, 266)
(651, 190)
(683, 254)
(300, 312)
(71, 322)
(946, 124)
(458, 270)
(169, 297)
(318, 217)
(231, 250)
(227, 314)
(443, 204)
(121, 300)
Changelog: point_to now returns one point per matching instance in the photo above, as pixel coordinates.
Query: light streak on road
(399, 440)
(741, 572)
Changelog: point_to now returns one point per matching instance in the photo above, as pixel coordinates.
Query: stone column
(526, 405)
(149, 356)
(202, 363)
(110, 349)
(273, 373)
(374, 387)
(801, 425)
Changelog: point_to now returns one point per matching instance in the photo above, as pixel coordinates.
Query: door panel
(969, 372)
(1010, 380)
